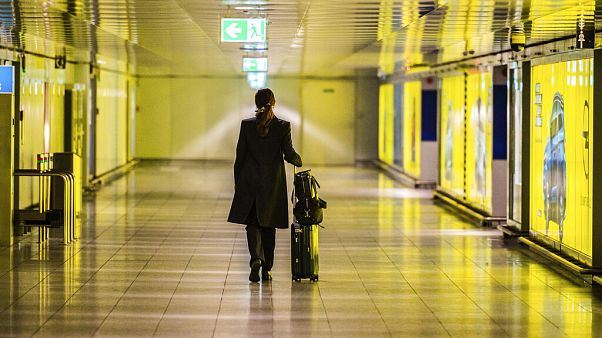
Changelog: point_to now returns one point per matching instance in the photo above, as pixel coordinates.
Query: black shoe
(266, 275)
(254, 275)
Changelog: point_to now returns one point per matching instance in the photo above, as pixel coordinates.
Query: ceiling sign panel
(257, 80)
(254, 64)
(243, 30)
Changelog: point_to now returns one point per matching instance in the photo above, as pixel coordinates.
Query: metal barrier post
(49, 194)
(68, 219)
(41, 199)
(40, 183)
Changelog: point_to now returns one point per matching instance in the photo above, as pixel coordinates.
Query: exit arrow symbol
(233, 30)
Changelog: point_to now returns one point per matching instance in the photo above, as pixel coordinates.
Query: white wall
(190, 118)
(366, 122)
(199, 118)
(153, 119)
(111, 121)
(328, 122)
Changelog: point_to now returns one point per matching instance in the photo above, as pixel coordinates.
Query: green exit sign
(254, 64)
(244, 30)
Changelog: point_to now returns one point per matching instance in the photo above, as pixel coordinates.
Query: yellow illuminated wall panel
(479, 139)
(387, 35)
(386, 111)
(412, 103)
(452, 135)
(561, 154)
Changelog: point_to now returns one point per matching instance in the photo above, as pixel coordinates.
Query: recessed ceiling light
(245, 2)
(253, 49)
(254, 46)
(250, 8)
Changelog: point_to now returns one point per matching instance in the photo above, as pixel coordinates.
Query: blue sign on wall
(6, 79)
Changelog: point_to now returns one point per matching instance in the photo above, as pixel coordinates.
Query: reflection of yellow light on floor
(397, 193)
(469, 233)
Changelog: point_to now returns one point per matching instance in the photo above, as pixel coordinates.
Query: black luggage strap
(313, 182)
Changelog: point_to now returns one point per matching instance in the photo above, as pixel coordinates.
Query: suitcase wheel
(314, 279)
(296, 279)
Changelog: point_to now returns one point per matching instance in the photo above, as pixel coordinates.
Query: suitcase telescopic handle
(293, 193)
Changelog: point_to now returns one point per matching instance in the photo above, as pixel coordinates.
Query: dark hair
(264, 98)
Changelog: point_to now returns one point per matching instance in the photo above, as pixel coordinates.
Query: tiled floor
(157, 258)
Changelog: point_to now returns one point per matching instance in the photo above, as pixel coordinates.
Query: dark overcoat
(259, 175)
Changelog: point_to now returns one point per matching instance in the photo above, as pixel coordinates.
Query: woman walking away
(260, 198)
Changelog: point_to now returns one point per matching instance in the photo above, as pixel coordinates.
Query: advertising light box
(7, 79)
(412, 109)
(561, 158)
(386, 123)
(452, 135)
(479, 139)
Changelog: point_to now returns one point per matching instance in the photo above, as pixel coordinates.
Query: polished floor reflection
(157, 258)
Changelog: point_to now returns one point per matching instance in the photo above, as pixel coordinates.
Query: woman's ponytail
(264, 99)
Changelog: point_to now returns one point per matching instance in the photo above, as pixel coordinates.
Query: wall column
(7, 136)
(526, 149)
(596, 145)
(429, 144)
(499, 165)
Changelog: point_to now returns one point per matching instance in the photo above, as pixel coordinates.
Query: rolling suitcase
(305, 261)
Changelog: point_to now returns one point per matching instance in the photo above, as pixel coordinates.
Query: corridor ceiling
(305, 37)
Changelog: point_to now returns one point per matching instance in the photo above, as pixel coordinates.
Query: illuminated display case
(466, 125)
(479, 139)
(451, 134)
(407, 147)
(561, 157)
